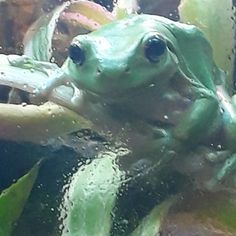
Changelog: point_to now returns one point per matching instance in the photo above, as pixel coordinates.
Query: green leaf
(150, 225)
(91, 197)
(13, 199)
(86, 14)
(215, 19)
(38, 40)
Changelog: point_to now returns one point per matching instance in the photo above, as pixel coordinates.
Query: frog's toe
(223, 173)
(41, 94)
(228, 168)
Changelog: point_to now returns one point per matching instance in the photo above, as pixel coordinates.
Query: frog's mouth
(123, 94)
(117, 92)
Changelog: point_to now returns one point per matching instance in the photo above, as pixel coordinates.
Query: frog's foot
(58, 78)
(223, 173)
(26, 62)
(60, 90)
(77, 98)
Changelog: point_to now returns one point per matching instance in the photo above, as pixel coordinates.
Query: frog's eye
(76, 54)
(154, 48)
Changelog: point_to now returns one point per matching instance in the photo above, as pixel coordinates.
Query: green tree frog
(153, 85)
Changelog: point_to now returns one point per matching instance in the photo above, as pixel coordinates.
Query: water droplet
(166, 117)
(53, 60)
(222, 110)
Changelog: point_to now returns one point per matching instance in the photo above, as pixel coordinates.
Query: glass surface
(133, 162)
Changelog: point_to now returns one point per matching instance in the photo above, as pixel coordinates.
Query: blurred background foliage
(17, 15)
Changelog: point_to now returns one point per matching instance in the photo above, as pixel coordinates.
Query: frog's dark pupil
(76, 54)
(154, 48)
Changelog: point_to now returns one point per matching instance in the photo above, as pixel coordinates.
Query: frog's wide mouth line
(114, 96)
(122, 93)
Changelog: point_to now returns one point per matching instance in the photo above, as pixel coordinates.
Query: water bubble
(52, 58)
(222, 110)
(166, 117)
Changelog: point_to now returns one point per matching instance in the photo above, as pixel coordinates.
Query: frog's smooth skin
(155, 79)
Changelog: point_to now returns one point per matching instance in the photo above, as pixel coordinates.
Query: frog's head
(121, 57)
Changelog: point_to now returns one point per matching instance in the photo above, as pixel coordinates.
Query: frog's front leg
(224, 176)
(57, 79)
(228, 167)
(197, 120)
(57, 76)
(51, 90)
(203, 117)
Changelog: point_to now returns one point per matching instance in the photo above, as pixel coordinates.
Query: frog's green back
(195, 54)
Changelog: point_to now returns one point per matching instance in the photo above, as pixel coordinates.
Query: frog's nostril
(111, 70)
(76, 54)
(99, 70)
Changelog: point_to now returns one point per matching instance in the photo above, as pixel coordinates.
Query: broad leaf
(91, 197)
(215, 19)
(13, 199)
(86, 14)
(151, 224)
